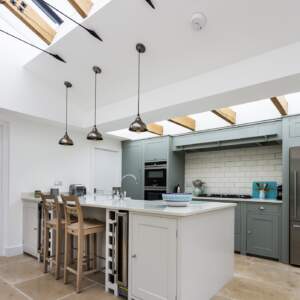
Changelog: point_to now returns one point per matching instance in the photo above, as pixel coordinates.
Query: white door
(107, 169)
(153, 258)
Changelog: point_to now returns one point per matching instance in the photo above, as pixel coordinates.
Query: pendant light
(66, 140)
(138, 125)
(94, 134)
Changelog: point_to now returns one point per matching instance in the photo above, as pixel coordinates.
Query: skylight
(245, 113)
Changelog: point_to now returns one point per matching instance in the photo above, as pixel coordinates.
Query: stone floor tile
(47, 288)
(20, 271)
(94, 293)
(8, 292)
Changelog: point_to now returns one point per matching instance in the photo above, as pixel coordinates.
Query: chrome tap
(122, 193)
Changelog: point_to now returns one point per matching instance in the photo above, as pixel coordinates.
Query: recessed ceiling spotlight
(199, 21)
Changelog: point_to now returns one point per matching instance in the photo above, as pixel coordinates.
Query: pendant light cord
(139, 80)
(66, 109)
(95, 98)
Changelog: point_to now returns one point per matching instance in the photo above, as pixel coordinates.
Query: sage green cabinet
(132, 163)
(136, 153)
(263, 230)
(237, 228)
(257, 228)
(156, 149)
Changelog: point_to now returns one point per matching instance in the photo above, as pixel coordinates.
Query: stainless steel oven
(156, 174)
(154, 193)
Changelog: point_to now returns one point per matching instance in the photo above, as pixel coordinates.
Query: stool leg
(57, 252)
(79, 262)
(87, 249)
(66, 256)
(95, 251)
(46, 248)
(71, 249)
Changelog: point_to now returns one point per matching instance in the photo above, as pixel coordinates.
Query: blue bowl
(177, 197)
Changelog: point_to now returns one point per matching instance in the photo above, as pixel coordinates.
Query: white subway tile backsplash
(233, 171)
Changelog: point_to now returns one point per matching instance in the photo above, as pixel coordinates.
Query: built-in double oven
(155, 180)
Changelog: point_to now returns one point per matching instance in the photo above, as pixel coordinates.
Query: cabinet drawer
(264, 208)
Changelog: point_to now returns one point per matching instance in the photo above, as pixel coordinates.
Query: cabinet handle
(249, 231)
(262, 208)
(296, 226)
(133, 255)
(35, 229)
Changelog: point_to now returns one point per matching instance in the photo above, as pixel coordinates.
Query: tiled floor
(22, 278)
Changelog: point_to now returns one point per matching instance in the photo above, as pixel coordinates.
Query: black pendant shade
(66, 140)
(94, 134)
(138, 125)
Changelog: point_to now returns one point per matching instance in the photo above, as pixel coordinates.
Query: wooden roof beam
(281, 104)
(31, 19)
(186, 122)
(155, 128)
(226, 114)
(83, 7)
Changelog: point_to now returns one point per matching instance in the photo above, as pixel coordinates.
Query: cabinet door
(156, 149)
(132, 164)
(262, 235)
(30, 228)
(153, 258)
(237, 228)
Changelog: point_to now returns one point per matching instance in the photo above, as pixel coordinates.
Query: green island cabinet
(136, 153)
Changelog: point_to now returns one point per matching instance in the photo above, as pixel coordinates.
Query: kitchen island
(183, 253)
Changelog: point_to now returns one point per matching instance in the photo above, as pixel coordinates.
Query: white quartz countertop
(253, 200)
(149, 207)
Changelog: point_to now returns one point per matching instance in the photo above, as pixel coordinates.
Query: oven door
(154, 194)
(156, 177)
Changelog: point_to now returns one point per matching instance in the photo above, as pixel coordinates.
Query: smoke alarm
(199, 21)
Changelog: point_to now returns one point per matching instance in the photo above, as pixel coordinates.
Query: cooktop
(242, 196)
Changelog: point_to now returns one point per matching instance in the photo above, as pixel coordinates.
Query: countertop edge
(172, 211)
(251, 200)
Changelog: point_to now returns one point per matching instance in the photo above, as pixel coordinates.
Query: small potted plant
(263, 189)
(198, 187)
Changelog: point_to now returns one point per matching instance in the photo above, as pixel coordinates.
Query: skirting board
(13, 251)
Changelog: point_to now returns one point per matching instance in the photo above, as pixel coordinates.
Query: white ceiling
(236, 30)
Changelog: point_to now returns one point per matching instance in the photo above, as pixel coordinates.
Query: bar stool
(82, 229)
(52, 221)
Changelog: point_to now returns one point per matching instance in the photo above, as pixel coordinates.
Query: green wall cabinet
(156, 149)
(136, 153)
(132, 163)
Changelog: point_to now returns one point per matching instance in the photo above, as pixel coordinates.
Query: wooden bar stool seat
(89, 226)
(52, 221)
(82, 230)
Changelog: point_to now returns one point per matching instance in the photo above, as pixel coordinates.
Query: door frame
(4, 182)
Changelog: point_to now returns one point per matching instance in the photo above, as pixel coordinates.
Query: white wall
(233, 171)
(36, 161)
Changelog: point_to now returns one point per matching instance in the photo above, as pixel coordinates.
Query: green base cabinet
(263, 227)
(237, 228)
